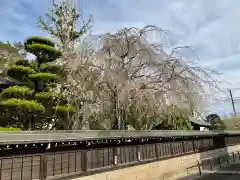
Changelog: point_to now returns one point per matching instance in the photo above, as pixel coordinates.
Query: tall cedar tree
(35, 105)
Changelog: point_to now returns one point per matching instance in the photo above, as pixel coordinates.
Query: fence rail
(213, 165)
(50, 165)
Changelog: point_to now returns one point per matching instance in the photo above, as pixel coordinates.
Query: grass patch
(9, 129)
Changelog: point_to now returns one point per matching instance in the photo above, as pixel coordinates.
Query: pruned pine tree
(34, 105)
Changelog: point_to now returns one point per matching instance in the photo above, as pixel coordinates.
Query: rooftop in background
(200, 121)
(5, 80)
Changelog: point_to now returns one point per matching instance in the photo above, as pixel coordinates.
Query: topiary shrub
(42, 48)
(23, 105)
(23, 62)
(38, 40)
(22, 112)
(52, 68)
(42, 80)
(21, 73)
(48, 99)
(20, 92)
(43, 77)
(33, 106)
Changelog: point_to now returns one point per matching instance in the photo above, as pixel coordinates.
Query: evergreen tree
(35, 105)
(216, 122)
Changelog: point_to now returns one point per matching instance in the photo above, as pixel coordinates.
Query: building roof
(199, 121)
(6, 80)
(32, 137)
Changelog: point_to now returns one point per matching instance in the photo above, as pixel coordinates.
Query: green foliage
(215, 121)
(38, 40)
(174, 118)
(33, 64)
(44, 95)
(212, 117)
(46, 98)
(25, 105)
(65, 111)
(23, 62)
(44, 52)
(44, 77)
(20, 73)
(52, 68)
(63, 114)
(50, 98)
(20, 92)
(22, 113)
(43, 81)
(54, 22)
(27, 108)
(42, 48)
(9, 129)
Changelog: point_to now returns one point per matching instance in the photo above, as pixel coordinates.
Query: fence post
(183, 147)
(210, 164)
(219, 161)
(199, 168)
(234, 160)
(227, 156)
(84, 160)
(156, 151)
(194, 149)
(171, 148)
(43, 167)
(201, 149)
(138, 153)
(1, 169)
(115, 156)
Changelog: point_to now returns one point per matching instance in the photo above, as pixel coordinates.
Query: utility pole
(233, 104)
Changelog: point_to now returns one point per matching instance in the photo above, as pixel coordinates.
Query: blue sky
(210, 27)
